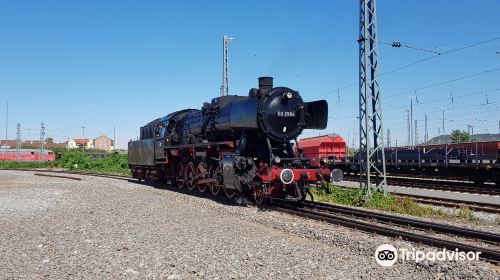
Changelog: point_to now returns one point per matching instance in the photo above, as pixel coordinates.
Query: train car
(26, 155)
(475, 161)
(322, 150)
(239, 145)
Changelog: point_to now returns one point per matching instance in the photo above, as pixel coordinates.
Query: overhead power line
(414, 63)
(438, 54)
(448, 81)
(400, 45)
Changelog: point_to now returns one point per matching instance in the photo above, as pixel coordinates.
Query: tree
(49, 140)
(458, 136)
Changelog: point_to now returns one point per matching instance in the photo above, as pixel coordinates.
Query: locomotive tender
(235, 144)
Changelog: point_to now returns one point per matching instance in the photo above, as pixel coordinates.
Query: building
(79, 143)
(104, 143)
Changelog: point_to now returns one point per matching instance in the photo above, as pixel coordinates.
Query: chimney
(265, 84)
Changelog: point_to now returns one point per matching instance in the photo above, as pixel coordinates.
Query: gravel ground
(103, 228)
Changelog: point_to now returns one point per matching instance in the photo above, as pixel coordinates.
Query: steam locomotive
(239, 145)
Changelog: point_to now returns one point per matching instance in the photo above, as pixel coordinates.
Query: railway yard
(56, 227)
(291, 169)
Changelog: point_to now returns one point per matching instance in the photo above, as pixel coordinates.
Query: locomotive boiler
(234, 144)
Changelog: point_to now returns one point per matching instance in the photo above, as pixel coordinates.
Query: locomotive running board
(291, 198)
(205, 181)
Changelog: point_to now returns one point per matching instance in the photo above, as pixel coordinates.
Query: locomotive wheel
(230, 193)
(190, 176)
(258, 195)
(181, 175)
(214, 189)
(204, 174)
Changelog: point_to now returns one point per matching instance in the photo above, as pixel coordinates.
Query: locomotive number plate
(286, 114)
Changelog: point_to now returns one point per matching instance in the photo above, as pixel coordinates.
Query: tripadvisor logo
(387, 255)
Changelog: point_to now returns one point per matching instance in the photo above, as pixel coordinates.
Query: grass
(75, 160)
(356, 197)
(21, 165)
(465, 213)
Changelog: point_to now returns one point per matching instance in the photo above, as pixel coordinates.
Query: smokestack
(265, 84)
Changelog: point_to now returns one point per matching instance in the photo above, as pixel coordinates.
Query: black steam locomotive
(235, 144)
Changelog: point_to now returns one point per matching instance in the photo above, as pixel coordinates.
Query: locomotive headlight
(336, 176)
(287, 176)
(324, 160)
(277, 159)
(289, 95)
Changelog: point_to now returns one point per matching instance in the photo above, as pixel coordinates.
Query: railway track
(476, 206)
(454, 203)
(432, 234)
(443, 185)
(46, 173)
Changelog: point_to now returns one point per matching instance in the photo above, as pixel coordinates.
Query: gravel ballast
(102, 228)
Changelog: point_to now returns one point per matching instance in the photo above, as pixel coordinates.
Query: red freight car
(324, 147)
(26, 155)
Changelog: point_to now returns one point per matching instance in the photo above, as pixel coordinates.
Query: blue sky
(103, 63)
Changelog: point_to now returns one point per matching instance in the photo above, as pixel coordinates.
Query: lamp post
(224, 89)
(6, 123)
(83, 145)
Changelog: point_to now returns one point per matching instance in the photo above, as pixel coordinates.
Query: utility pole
(411, 120)
(18, 141)
(6, 124)
(354, 134)
(388, 137)
(426, 135)
(224, 89)
(408, 127)
(416, 133)
(42, 140)
(444, 136)
(370, 106)
(347, 143)
(471, 131)
(114, 137)
(83, 133)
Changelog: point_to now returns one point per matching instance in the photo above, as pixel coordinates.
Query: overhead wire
(416, 62)
(448, 81)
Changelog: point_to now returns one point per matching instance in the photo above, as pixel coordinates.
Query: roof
(103, 136)
(32, 144)
(81, 141)
(318, 140)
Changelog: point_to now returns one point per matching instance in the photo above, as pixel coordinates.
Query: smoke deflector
(316, 114)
